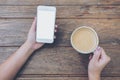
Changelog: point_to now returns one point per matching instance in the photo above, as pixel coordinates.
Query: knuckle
(109, 59)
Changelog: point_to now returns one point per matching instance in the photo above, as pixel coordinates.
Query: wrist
(29, 46)
(94, 76)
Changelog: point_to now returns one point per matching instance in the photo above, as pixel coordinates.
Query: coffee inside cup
(84, 40)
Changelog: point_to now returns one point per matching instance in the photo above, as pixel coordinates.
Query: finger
(90, 57)
(54, 37)
(55, 30)
(97, 54)
(33, 24)
(103, 51)
(56, 26)
(104, 55)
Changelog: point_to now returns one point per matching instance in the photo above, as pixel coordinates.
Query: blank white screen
(45, 24)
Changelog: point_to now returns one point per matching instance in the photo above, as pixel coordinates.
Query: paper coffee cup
(84, 40)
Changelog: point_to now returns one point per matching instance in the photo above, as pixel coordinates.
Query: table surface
(59, 61)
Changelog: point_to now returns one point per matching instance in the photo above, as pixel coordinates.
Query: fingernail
(56, 26)
(98, 48)
(54, 37)
(55, 30)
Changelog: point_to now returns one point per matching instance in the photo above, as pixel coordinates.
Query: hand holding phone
(45, 24)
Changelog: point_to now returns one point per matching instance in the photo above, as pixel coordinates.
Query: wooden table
(60, 61)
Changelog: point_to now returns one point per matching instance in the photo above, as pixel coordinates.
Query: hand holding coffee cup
(84, 40)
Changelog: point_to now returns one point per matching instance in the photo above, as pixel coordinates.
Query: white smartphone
(45, 24)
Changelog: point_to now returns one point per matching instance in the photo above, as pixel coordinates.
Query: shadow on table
(85, 59)
(19, 74)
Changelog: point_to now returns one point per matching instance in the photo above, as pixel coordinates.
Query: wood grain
(63, 11)
(14, 31)
(66, 78)
(60, 2)
(59, 78)
(59, 61)
(64, 61)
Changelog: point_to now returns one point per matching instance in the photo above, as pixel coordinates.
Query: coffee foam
(84, 39)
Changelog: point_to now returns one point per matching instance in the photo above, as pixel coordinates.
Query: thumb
(104, 56)
(97, 54)
(34, 25)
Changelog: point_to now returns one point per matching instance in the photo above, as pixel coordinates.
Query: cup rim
(80, 51)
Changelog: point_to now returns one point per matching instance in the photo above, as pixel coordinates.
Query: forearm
(94, 77)
(12, 65)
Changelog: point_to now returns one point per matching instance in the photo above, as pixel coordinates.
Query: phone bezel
(46, 8)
